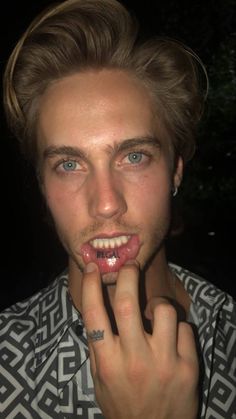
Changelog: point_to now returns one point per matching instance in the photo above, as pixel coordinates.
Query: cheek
(63, 204)
(152, 193)
(56, 197)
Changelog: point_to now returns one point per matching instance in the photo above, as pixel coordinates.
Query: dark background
(204, 237)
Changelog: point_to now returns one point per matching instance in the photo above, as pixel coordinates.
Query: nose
(106, 196)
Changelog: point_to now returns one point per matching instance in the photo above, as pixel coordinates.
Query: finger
(186, 346)
(92, 359)
(150, 308)
(94, 313)
(164, 328)
(188, 353)
(126, 307)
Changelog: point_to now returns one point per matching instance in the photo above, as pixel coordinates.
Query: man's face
(106, 170)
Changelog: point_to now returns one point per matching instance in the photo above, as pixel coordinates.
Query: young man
(108, 122)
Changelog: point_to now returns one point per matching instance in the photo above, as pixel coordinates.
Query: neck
(159, 279)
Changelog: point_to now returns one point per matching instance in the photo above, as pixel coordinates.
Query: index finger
(127, 309)
(94, 314)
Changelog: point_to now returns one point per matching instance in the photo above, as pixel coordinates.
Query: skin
(95, 113)
(117, 176)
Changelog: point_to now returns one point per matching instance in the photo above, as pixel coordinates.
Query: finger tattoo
(96, 335)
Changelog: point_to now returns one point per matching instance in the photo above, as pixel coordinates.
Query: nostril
(107, 201)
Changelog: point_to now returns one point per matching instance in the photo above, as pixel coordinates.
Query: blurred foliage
(211, 174)
(204, 229)
(209, 28)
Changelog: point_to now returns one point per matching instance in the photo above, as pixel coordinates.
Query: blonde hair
(93, 34)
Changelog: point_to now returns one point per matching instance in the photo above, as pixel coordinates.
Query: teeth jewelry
(96, 335)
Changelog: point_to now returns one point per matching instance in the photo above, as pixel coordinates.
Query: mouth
(110, 253)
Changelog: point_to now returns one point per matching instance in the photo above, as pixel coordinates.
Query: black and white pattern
(44, 370)
(44, 359)
(214, 314)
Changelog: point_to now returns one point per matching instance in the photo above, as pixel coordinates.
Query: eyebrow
(136, 142)
(53, 151)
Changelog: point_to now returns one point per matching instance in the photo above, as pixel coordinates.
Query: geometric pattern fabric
(45, 368)
(213, 315)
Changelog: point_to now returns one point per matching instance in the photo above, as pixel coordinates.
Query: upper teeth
(109, 243)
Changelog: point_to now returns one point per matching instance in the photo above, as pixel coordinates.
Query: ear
(178, 172)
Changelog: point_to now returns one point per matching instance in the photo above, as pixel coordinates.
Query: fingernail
(90, 267)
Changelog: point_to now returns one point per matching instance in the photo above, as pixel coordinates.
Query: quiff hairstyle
(77, 35)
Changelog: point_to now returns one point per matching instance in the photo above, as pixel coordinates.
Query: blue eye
(69, 165)
(135, 157)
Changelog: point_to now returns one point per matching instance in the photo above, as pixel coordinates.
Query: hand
(137, 375)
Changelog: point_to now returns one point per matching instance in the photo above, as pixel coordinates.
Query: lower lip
(111, 260)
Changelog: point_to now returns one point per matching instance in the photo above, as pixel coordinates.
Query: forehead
(94, 107)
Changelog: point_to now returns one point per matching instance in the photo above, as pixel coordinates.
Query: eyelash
(59, 164)
(144, 153)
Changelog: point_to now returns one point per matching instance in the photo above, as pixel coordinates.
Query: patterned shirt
(45, 369)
